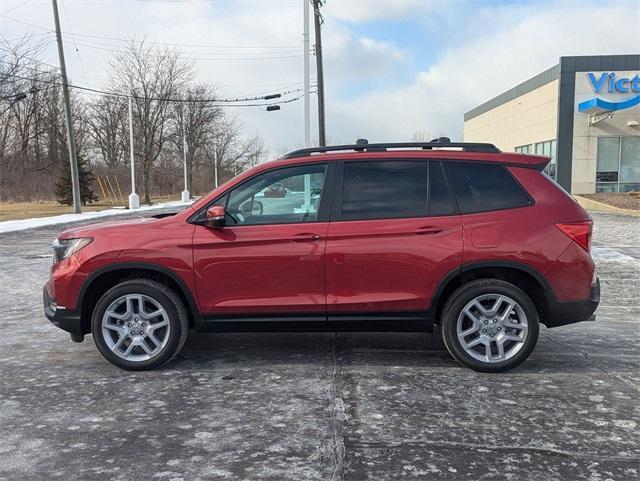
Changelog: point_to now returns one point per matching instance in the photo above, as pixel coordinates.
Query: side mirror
(215, 217)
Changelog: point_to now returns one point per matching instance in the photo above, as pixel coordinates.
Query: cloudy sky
(393, 68)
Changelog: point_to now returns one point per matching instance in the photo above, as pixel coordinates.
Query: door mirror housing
(215, 217)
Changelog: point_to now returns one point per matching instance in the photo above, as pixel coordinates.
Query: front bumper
(563, 313)
(67, 320)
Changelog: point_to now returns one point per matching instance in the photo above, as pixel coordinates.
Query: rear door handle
(426, 230)
(305, 237)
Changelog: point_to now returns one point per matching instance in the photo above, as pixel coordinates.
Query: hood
(92, 229)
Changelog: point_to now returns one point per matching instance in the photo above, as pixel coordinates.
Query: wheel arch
(521, 275)
(104, 279)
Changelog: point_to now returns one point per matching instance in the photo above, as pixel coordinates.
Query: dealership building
(583, 112)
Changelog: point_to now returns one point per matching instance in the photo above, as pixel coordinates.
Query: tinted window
(484, 187)
(382, 190)
(280, 196)
(440, 202)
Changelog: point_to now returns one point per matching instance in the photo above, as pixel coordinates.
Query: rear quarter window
(485, 187)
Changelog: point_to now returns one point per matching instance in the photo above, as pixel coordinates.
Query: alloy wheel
(135, 327)
(492, 328)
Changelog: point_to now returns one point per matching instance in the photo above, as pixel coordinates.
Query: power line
(64, 8)
(235, 102)
(158, 54)
(127, 40)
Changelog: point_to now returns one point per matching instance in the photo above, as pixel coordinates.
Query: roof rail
(363, 146)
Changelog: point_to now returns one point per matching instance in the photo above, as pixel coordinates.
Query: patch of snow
(606, 254)
(23, 224)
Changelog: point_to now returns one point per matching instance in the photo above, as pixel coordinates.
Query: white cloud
(361, 11)
(497, 47)
(522, 43)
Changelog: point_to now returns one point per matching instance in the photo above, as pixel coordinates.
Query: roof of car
(437, 149)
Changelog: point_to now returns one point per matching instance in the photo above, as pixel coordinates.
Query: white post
(185, 192)
(215, 165)
(305, 43)
(134, 200)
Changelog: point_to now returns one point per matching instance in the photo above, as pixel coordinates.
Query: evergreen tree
(64, 192)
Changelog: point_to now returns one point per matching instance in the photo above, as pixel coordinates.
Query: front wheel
(139, 324)
(490, 325)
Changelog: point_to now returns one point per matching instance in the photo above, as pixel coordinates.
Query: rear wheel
(139, 324)
(490, 325)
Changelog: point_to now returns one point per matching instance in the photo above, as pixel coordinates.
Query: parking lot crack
(594, 363)
(337, 411)
(483, 447)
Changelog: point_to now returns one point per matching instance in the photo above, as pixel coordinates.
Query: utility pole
(71, 139)
(185, 192)
(307, 104)
(317, 20)
(134, 200)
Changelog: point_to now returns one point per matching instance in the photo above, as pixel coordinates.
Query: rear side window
(384, 190)
(484, 187)
(440, 202)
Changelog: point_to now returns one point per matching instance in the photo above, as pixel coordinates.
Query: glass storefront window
(618, 164)
(548, 149)
(523, 149)
(630, 164)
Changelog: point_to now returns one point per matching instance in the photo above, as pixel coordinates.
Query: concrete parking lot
(321, 406)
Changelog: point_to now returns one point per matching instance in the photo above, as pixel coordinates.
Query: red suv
(370, 237)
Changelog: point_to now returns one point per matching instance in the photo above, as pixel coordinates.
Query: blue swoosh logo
(606, 105)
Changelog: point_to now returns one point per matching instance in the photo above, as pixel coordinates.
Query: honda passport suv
(367, 237)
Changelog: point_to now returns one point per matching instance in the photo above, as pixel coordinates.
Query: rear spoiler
(538, 162)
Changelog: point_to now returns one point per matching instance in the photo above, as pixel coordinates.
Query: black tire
(464, 295)
(163, 295)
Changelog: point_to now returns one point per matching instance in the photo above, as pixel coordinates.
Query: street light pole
(71, 140)
(134, 200)
(185, 192)
(307, 101)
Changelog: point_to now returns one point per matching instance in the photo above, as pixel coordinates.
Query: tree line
(34, 159)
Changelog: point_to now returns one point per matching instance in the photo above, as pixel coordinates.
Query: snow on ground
(23, 224)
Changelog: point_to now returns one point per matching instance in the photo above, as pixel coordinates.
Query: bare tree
(234, 153)
(149, 74)
(201, 117)
(108, 128)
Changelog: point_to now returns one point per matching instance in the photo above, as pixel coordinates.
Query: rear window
(484, 187)
(384, 190)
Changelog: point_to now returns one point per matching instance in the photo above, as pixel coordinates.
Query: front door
(394, 238)
(269, 257)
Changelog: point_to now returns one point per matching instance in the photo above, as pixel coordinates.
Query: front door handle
(305, 237)
(429, 229)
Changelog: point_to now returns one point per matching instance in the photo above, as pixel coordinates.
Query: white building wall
(530, 118)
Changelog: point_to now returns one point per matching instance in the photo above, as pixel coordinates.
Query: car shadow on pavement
(357, 349)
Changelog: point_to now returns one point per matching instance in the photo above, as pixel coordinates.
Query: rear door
(394, 235)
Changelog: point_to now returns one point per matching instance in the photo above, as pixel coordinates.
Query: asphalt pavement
(321, 406)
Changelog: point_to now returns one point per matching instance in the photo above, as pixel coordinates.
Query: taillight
(579, 232)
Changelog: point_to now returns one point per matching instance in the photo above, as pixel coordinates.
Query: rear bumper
(563, 313)
(67, 320)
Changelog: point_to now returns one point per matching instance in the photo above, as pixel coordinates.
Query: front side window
(283, 196)
(485, 187)
(384, 190)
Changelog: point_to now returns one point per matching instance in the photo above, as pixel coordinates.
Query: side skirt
(352, 322)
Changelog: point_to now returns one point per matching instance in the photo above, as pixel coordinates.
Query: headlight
(63, 248)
